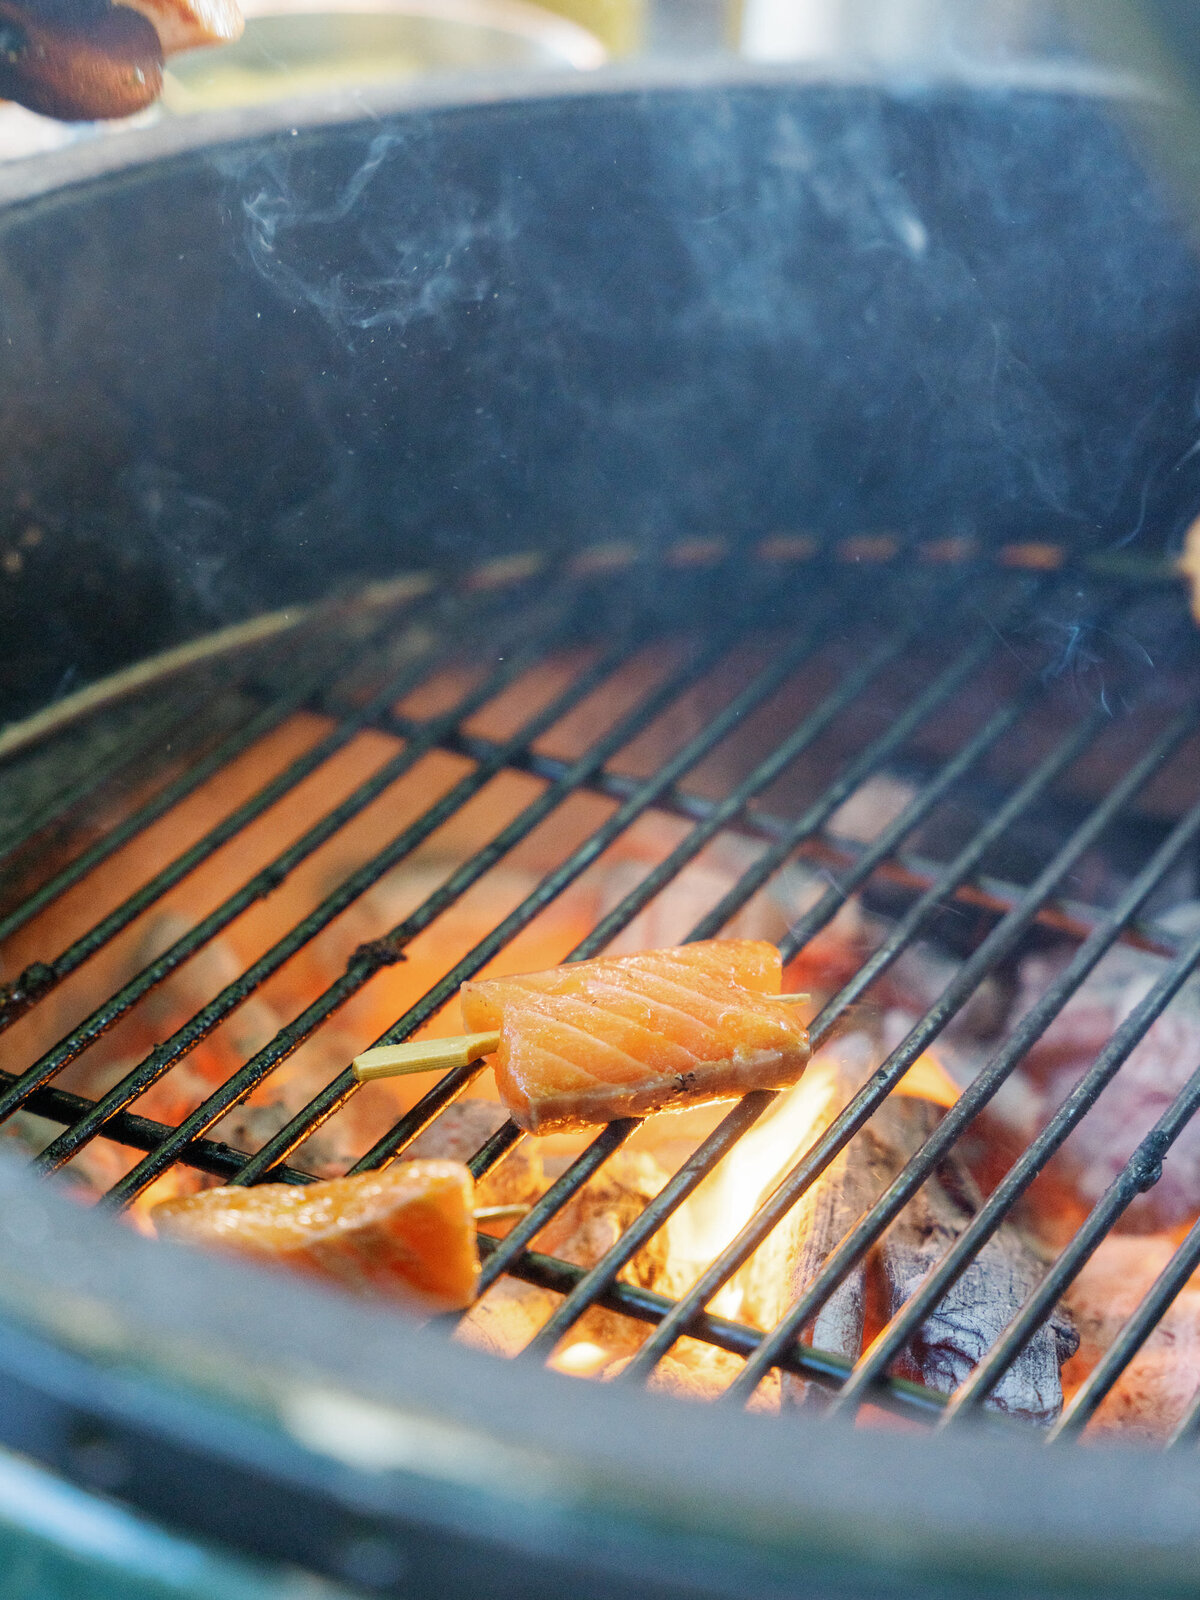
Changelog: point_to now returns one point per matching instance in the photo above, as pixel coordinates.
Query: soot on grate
(958, 794)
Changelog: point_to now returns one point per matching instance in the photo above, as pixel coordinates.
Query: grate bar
(453, 1084)
(512, 1249)
(628, 908)
(341, 1089)
(767, 1216)
(361, 966)
(146, 737)
(584, 1165)
(812, 726)
(911, 873)
(158, 805)
(1088, 1397)
(731, 1129)
(38, 981)
(277, 710)
(797, 936)
(856, 1113)
(1013, 910)
(901, 1328)
(262, 883)
(1002, 939)
(371, 958)
(142, 1133)
(1143, 1165)
(688, 1178)
(902, 1396)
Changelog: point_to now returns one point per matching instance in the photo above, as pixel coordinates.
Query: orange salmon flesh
(623, 1036)
(407, 1233)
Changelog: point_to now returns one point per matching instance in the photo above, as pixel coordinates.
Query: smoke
(321, 240)
(825, 307)
(192, 533)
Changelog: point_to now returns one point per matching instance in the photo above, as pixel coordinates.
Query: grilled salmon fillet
(623, 1036)
(407, 1233)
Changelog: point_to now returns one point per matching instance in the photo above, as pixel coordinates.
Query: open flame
(513, 1311)
(711, 1217)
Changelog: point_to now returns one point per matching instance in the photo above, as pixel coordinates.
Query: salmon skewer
(623, 1036)
(407, 1233)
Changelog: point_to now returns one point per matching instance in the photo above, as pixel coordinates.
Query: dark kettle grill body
(252, 362)
(277, 359)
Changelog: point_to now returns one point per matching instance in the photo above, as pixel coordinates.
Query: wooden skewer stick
(487, 1213)
(440, 1055)
(423, 1055)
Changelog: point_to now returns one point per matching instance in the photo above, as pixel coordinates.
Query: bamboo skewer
(423, 1055)
(440, 1055)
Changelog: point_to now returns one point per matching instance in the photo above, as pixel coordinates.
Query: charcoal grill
(1013, 642)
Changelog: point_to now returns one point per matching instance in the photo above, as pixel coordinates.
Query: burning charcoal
(592, 1221)
(511, 1312)
(459, 1132)
(694, 1370)
(179, 997)
(590, 1224)
(975, 1311)
(507, 1317)
(794, 1252)
(1153, 1075)
(677, 907)
(1156, 1388)
(336, 1145)
(822, 1219)
(873, 806)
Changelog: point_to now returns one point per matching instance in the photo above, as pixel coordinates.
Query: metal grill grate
(863, 660)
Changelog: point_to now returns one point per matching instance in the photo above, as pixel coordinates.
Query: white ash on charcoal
(954, 1338)
(190, 987)
(919, 977)
(873, 806)
(1154, 1392)
(1157, 1069)
(334, 1147)
(596, 1217)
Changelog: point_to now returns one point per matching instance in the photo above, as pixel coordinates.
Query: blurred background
(298, 47)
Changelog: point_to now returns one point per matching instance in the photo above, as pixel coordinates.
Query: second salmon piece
(623, 1036)
(406, 1233)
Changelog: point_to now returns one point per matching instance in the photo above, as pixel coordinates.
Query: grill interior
(1033, 722)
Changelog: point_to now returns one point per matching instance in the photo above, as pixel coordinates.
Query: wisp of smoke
(420, 262)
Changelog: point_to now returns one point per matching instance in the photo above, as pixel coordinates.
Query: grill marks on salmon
(407, 1233)
(624, 1036)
